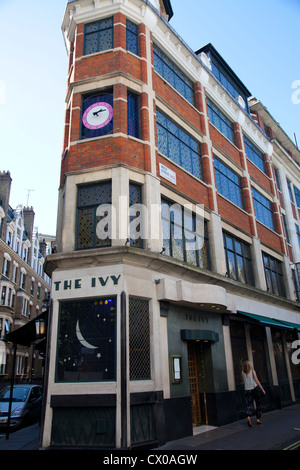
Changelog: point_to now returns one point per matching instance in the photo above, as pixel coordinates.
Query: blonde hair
(247, 367)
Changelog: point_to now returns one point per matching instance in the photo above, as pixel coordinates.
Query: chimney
(28, 214)
(5, 185)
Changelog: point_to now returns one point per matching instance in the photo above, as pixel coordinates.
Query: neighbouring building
(177, 237)
(23, 285)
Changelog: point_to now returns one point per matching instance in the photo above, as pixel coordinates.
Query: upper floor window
(229, 184)
(97, 114)
(297, 196)
(254, 154)
(92, 209)
(132, 37)
(263, 209)
(277, 179)
(172, 74)
(135, 215)
(238, 259)
(220, 121)
(274, 275)
(133, 115)
(185, 236)
(98, 36)
(177, 145)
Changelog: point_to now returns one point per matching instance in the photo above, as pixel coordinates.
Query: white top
(249, 381)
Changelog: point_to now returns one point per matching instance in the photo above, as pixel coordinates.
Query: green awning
(271, 321)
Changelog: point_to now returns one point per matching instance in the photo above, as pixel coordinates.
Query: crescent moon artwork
(81, 338)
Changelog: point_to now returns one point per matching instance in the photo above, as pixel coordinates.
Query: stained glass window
(136, 215)
(220, 121)
(139, 339)
(254, 154)
(179, 146)
(263, 209)
(98, 36)
(172, 74)
(185, 236)
(133, 115)
(89, 198)
(87, 340)
(132, 37)
(228, 183)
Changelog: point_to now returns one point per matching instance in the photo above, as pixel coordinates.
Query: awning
(271, 321)
(26, 335)
(199, 335)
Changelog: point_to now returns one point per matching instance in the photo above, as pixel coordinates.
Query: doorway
(197, 382)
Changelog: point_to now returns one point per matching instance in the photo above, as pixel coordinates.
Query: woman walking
(253, 392)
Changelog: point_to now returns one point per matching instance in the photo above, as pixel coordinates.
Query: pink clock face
(97, 115)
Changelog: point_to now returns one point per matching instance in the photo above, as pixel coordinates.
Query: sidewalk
(280, 429)
(27, 438)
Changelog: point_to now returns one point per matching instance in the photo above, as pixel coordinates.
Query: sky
(258, 39)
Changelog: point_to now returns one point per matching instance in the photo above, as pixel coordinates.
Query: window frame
(93, 208)
(254, 154)
(132, 31)
(170, 243)
(98, 32)
(225, 179)
(260, 210)
(220, 121)
(173, 75)
(184, 143)
(233, 253)
(275, 282)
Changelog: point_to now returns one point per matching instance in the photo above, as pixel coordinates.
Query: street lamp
(40, 328)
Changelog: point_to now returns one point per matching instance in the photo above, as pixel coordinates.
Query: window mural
(87, 340)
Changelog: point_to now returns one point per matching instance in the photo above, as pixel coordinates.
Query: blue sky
(258, 39)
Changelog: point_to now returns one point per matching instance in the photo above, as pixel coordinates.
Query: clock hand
(97, 112)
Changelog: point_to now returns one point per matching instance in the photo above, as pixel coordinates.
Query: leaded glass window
(179, 146)
(274, 275)
(254, 154)
(133, 115)
(229, 184)
(238, 259)
(136, 220)
(172, 74)
(220, 121)
(185, 236)
(132, 37)
(98, 36)
(87, 340)
(139, 339)
(93, 209)
(263, 209)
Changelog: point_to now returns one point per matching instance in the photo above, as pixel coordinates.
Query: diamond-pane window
(139, 339)
(132, 37)
(98, 36)
(89, 198)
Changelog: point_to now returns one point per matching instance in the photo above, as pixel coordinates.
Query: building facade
(173, 261)
(23, 284)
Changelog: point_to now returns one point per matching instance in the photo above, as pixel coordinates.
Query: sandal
(258, 421)
(249, 422)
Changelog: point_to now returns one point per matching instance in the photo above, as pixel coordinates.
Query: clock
(97, 115)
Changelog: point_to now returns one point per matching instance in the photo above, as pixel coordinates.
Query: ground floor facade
(142, 348)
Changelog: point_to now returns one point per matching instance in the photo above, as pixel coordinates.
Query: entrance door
(194, 383)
